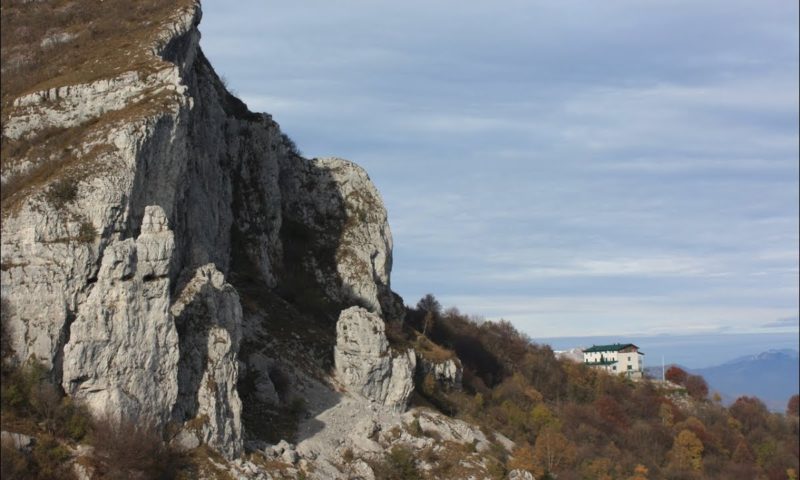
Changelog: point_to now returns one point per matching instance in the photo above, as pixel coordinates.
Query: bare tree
(429, 304)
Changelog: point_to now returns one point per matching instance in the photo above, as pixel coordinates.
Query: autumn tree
(523, 458)
(666, 415)
(793, 407)
(639, 473)
(687, 451)
(597, 469)
(696, 386)
(750, 412)
(742, 453)
(676, 375)
(541, 416)
(552, 451)
(610, 410)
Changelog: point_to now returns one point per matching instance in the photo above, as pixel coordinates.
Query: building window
(614, 367)
(630, 367)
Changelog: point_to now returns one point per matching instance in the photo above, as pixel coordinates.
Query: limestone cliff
(140, 201)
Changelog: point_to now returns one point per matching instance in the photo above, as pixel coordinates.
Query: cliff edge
(158, 238)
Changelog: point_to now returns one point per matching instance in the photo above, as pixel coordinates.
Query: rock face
(118, 265)
(122, 355)
(345, 216)
(365, 365)
(447, 373)
(209, 323)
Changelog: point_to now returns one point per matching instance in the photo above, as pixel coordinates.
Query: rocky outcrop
(364, 363)
(67, 106)
(447, 373)
(17, 441)
(345, 217)
(208, 317)
(519, 474)
(116, 263)
(122, 355)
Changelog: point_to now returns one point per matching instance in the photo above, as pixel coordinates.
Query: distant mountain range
(773, 376)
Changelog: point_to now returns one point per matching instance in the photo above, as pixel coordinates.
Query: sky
(577, 168)
(690, 351)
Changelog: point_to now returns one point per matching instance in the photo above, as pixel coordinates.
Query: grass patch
(104, 40)
(431, 351)
(59, 155)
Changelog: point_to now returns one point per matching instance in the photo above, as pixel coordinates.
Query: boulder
(519, 474)
(366, 366)
(21, 442)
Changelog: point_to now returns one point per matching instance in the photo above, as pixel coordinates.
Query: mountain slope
(772, 376)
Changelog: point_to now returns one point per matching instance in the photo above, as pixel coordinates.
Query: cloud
(565, 151)
(785, 322)
(552, 316)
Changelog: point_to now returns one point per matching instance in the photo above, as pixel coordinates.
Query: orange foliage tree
(676, 375)
(552, 451)
(687, 451)
(523, 459)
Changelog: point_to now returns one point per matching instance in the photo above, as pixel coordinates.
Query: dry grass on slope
(52, 43)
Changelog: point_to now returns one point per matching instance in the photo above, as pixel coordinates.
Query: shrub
(49, 457)
(398, 464)
(87, 232)
(6, 350)
(13, 464)
(62, 192)
(126, 449)
(414, 428)
(290, 146)
(74, 420)
(18, 388)
(347, 455)
(45, 400)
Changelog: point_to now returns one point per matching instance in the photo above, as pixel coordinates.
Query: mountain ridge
(771, 376)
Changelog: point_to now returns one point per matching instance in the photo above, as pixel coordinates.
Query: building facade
(621, 358)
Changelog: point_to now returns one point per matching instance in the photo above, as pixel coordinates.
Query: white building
(622, 358)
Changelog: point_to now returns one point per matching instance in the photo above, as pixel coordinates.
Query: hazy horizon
(692, 351)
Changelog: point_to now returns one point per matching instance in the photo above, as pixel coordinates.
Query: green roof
(614, 347)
